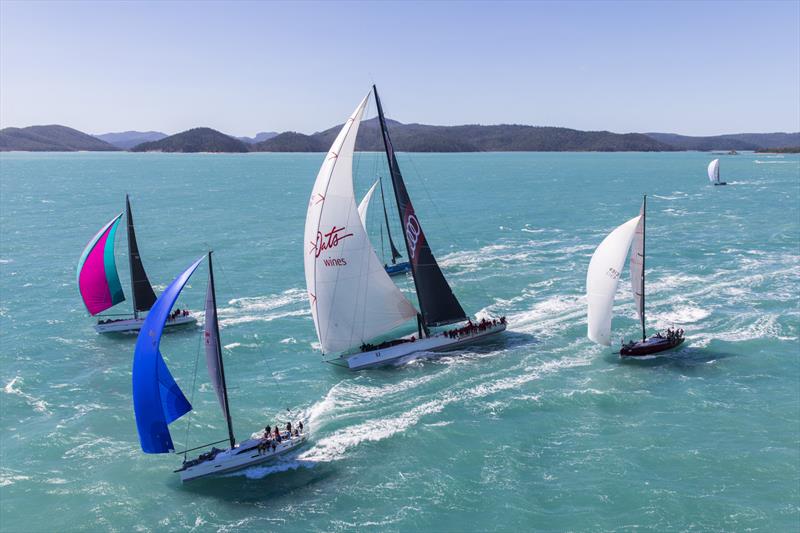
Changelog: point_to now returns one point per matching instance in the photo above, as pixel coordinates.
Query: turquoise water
(539, 429)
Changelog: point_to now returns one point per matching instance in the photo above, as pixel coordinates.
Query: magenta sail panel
(98, 280)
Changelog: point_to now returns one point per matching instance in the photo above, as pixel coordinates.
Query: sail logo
(413, 233)
(326, 241)
(613, 273)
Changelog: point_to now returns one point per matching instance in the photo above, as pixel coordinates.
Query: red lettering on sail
(329, 240)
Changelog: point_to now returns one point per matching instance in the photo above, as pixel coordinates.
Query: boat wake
(291, 302)
(348, 400)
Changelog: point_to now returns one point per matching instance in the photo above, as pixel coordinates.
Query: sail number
(613, 273)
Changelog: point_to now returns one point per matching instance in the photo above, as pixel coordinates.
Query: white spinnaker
(713, 171)
(212, 348)
(352, 297)
(364, 205)
(602, 279)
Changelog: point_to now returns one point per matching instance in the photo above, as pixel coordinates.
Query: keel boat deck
(135, 324)
(243, 455)
(435, 343)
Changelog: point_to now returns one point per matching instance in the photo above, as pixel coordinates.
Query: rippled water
(539, 429)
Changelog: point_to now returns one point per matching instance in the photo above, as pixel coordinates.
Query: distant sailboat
(602, 278)
(353, 300)
(395, 269)
(158, 401)
(713, 173)
(99, 284)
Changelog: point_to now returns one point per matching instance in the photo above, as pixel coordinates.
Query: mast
(219, 352)
(644, 234)
(395, 254)
(129, 219)
(438, 305)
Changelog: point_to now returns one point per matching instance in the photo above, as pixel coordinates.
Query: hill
(52, 138)
(194, 140)
(736, 141)
(260, 136)
(468, 138)
(781, 150)
(129, 139)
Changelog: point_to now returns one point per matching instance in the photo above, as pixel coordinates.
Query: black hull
(651, 346)
(721, 183)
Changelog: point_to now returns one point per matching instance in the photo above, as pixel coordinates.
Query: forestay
(352, 298)
(98, 280)
(602, 279)
(713, 171)
(157, 399)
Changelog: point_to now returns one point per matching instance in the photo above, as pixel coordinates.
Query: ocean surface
(538, 429)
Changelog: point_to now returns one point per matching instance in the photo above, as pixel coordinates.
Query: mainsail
(602, 279)
(216, 370)
(637, 265)
(98, 280)
(157, 399)
(713, 171)
(143, 295)
(437, 303)
(352, 298)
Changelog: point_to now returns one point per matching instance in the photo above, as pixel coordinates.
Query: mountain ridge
(50, 138)
(194, 140)
(411, 137)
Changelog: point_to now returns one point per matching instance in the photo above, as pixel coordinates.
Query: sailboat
(713, 173)
(99, 284)
(353, 300)
(602, 278)
(158, 401)
(395, 269)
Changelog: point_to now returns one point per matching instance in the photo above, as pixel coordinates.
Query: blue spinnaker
(157, 399)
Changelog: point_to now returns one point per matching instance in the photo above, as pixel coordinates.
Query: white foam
(765, 326)
(335, 446)
(38, 405)
(264, 308)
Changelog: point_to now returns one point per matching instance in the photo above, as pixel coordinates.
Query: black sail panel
(437, 302)
(143, 295)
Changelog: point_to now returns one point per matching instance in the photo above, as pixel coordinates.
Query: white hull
(244, 455)
(135, 324)
(435, 343)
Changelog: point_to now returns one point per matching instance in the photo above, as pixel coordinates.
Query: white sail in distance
(364, 205)
(352, 297)
(602, 279)
(713, 171)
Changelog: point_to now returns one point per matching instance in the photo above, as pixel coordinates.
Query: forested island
(784, 150)
(406, 137)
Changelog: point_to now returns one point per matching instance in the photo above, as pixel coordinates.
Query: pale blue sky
(243, 67)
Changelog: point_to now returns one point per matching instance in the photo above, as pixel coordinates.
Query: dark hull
(651, 346)
(721, 183)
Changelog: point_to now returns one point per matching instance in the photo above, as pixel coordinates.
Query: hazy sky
(243, 67)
